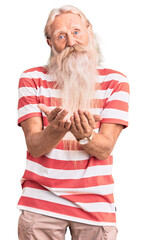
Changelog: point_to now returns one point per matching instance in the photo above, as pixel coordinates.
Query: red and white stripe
(71, 184)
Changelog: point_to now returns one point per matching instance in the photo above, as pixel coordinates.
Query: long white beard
(74, 71)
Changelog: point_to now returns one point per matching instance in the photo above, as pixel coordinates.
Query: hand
(56, 118)
(82, 123)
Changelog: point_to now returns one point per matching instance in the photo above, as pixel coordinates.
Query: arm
(39, 141)
(103, 142)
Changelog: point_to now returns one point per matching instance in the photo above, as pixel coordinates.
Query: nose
(71, 41)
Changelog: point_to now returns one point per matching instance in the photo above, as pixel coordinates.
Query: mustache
(75, 52)
(76, 48)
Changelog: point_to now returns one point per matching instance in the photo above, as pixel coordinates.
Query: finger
(84, 121)
(60, 116)
(54, 113)
(82, 116)
(64, 124)
(51, 114)
(73, 128)
(44, 108)
(97, 118)
(78, 123)
(67, 125)
(61, 125)
(90, 119)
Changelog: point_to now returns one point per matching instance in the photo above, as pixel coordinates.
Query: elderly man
(71, 111)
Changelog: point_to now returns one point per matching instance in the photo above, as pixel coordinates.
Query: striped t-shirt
(71, 184)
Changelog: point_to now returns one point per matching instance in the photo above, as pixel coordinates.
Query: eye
(76, 32)
(61, 37)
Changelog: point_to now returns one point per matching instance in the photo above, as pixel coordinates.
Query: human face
(68, 30)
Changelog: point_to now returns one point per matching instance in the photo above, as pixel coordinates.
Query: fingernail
(68, 121)
(80, 111)
(86, 112)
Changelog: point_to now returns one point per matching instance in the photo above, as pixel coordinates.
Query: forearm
(100, 146)
(42, 142)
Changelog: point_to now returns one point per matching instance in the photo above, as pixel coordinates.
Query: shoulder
(35, 75)
(34, 72)
(107, 71)
(107, 74)
(40, 69)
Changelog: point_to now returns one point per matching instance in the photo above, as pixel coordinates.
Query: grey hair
(71, 9)
(57, 11)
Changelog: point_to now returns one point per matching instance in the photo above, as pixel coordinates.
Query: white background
(121, 27)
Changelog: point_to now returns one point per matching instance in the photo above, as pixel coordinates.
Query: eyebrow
(62, 30)
(57, 31)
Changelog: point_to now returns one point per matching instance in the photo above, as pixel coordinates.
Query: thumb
(51, 114)
(44, 108)
(97, 118)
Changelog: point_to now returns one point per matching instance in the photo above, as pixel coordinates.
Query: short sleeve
(116, 107)
(27, 98)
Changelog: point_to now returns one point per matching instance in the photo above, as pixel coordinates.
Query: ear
(49, 42)
(90, 29)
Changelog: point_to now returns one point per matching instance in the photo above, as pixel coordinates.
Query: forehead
(66, 21)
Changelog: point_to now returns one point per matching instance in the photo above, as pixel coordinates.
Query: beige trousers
(33, 226)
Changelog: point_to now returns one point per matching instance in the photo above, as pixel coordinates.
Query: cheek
(59, 47)
(85, 38)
